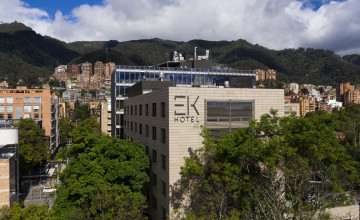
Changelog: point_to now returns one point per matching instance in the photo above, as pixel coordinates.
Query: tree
(104, 178)
(80, 113)
(18, 212)
(66, 126)
(32, 144)
(267, 171)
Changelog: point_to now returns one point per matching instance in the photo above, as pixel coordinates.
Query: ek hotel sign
(182, 112)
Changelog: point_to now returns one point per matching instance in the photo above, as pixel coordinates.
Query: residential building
(347, 93)
(270, 74)
(294, 87)
(167, 118)
(291, 108)
(260, 75)
(307, 103)
(9, 166)
(4, 85)
(126, 76)
(42, 105)
(105, 116)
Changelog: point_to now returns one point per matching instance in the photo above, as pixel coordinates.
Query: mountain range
(27, 56)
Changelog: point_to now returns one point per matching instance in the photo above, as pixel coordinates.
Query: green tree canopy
(104, 178)
(267, 171)
(32, 144)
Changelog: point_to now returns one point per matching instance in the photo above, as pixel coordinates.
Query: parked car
(48, 189)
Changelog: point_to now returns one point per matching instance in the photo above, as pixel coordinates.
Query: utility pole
(68, 147)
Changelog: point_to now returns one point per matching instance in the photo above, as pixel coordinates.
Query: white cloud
(275, 24)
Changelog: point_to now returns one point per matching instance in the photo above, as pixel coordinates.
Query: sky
(276, 24)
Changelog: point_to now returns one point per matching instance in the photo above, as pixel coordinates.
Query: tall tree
(32, 144)
(104, 178)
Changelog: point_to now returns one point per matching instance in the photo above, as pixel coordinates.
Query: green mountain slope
(26, 55)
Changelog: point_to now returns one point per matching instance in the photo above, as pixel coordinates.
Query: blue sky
(275, 24)
(65, 6)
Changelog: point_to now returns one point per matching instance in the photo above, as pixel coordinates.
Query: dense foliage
(104, 178)
(32, 144)
(18, 212)
(268, 171)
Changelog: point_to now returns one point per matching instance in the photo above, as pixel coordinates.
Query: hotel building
(126, 76)
(167, 118)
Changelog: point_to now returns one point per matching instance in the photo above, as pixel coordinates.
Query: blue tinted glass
(188, 79)
(156, 75)
(166, 75)
(117, 92)
(122, 77)
(127, 77)
(171, 77)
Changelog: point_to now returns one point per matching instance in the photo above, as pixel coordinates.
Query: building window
(154, 109)
(131, 110)
(9, 108)
(163, 188)
(36, 108)
(135, 127)
(147, 130)
(27, 116)
(2, 108)
(154, 133)
(154, 202)
(163, 109)
(27, 100)
(131, 126)
(153, 179)
(140, 110)
(2, 100)
(146, 109)
(154, 156)
(140, 128)
(9, 100)
(27, 108)
(147, 150)
(36, 116)
(2, 116)
(135, 113)
(229, 114)
(163, 135)
(9, 116)
(164, 217)
(38, 100)
(163, 162)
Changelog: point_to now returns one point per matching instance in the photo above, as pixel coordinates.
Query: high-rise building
(271, 74)
(105, 116)
(260, 75)
(126, 76)
(42, 105)
(167, 119)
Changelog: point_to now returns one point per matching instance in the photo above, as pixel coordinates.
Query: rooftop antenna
(195, 53)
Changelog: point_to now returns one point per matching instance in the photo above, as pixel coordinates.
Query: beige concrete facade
(179, 114)
(4, 182)
(105, 117)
